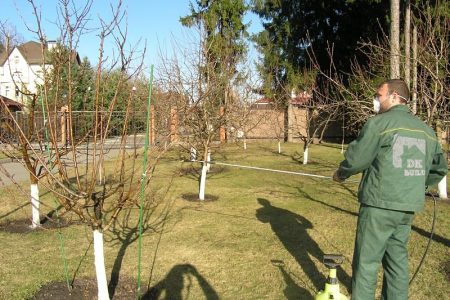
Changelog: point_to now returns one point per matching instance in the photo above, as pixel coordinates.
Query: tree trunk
(395, 39)
(442, 187)
(201, 194)
(102, 285)
(208, 159)
(34, 193)
(279, 146)
(305, 154)
(414, 71)
(245, 144)
(408, 43)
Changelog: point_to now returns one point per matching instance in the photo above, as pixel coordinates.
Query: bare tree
(99, 184)
(201, 108)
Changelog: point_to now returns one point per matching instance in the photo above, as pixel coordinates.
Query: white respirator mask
(376, 104)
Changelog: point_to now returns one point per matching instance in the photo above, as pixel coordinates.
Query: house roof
(264, 101)
(3, 56)
(32, 52)
(10, 103)
(299, 99)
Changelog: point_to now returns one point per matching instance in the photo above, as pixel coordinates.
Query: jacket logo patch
(414, 149)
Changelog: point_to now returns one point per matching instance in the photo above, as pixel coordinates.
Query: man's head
(392, 92)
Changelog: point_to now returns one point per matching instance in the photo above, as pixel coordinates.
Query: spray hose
(269, 170)
(429, 240)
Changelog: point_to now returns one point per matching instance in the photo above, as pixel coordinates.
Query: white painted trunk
(245, 144)
(305, 156)
(193, 154)
(442, 187)
(34, 193)
(279, 147)
(201, 194)
(208, 159)
(102, 284)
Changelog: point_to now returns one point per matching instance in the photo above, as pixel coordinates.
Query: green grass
(262, 238)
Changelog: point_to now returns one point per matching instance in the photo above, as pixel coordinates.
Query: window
(16, 59)
(7, 91)
(17, 91)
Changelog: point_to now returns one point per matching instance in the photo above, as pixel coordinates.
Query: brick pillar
(173, 124)
(222, 132)
(290, 123)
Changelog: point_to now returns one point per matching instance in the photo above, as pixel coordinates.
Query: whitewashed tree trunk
(305, 155)
(102, 284)
(34, 193)
(245, 144)
(201, 194)
(442, 187)
(279, 147)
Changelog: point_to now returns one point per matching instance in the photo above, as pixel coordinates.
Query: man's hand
(337, 178)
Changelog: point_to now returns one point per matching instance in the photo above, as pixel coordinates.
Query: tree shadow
(292, 289)
(173, 284)
(292, 230)
(126, 231)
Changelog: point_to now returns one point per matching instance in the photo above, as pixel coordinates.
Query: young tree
(213, 67)
(96, 186)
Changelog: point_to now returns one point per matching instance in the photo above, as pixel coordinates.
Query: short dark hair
(398, 86)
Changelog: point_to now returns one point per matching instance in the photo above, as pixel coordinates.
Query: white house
(21, 70)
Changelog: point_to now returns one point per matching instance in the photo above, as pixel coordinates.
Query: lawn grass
(262, 237)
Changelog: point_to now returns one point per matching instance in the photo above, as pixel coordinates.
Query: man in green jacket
(399, 155)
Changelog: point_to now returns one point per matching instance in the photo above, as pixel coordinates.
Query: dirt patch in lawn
(24, 225)
(86, 289)
(194, 197)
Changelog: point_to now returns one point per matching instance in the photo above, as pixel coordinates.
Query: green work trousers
(381, 237)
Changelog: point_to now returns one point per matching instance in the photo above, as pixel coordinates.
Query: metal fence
(78, 125)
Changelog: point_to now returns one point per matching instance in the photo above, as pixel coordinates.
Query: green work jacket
(399, 156)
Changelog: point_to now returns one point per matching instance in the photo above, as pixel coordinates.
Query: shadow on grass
(292, 289)
(291, 229)
(173, 284)
(126, 231)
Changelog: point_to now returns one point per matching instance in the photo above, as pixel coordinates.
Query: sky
(155, 22)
